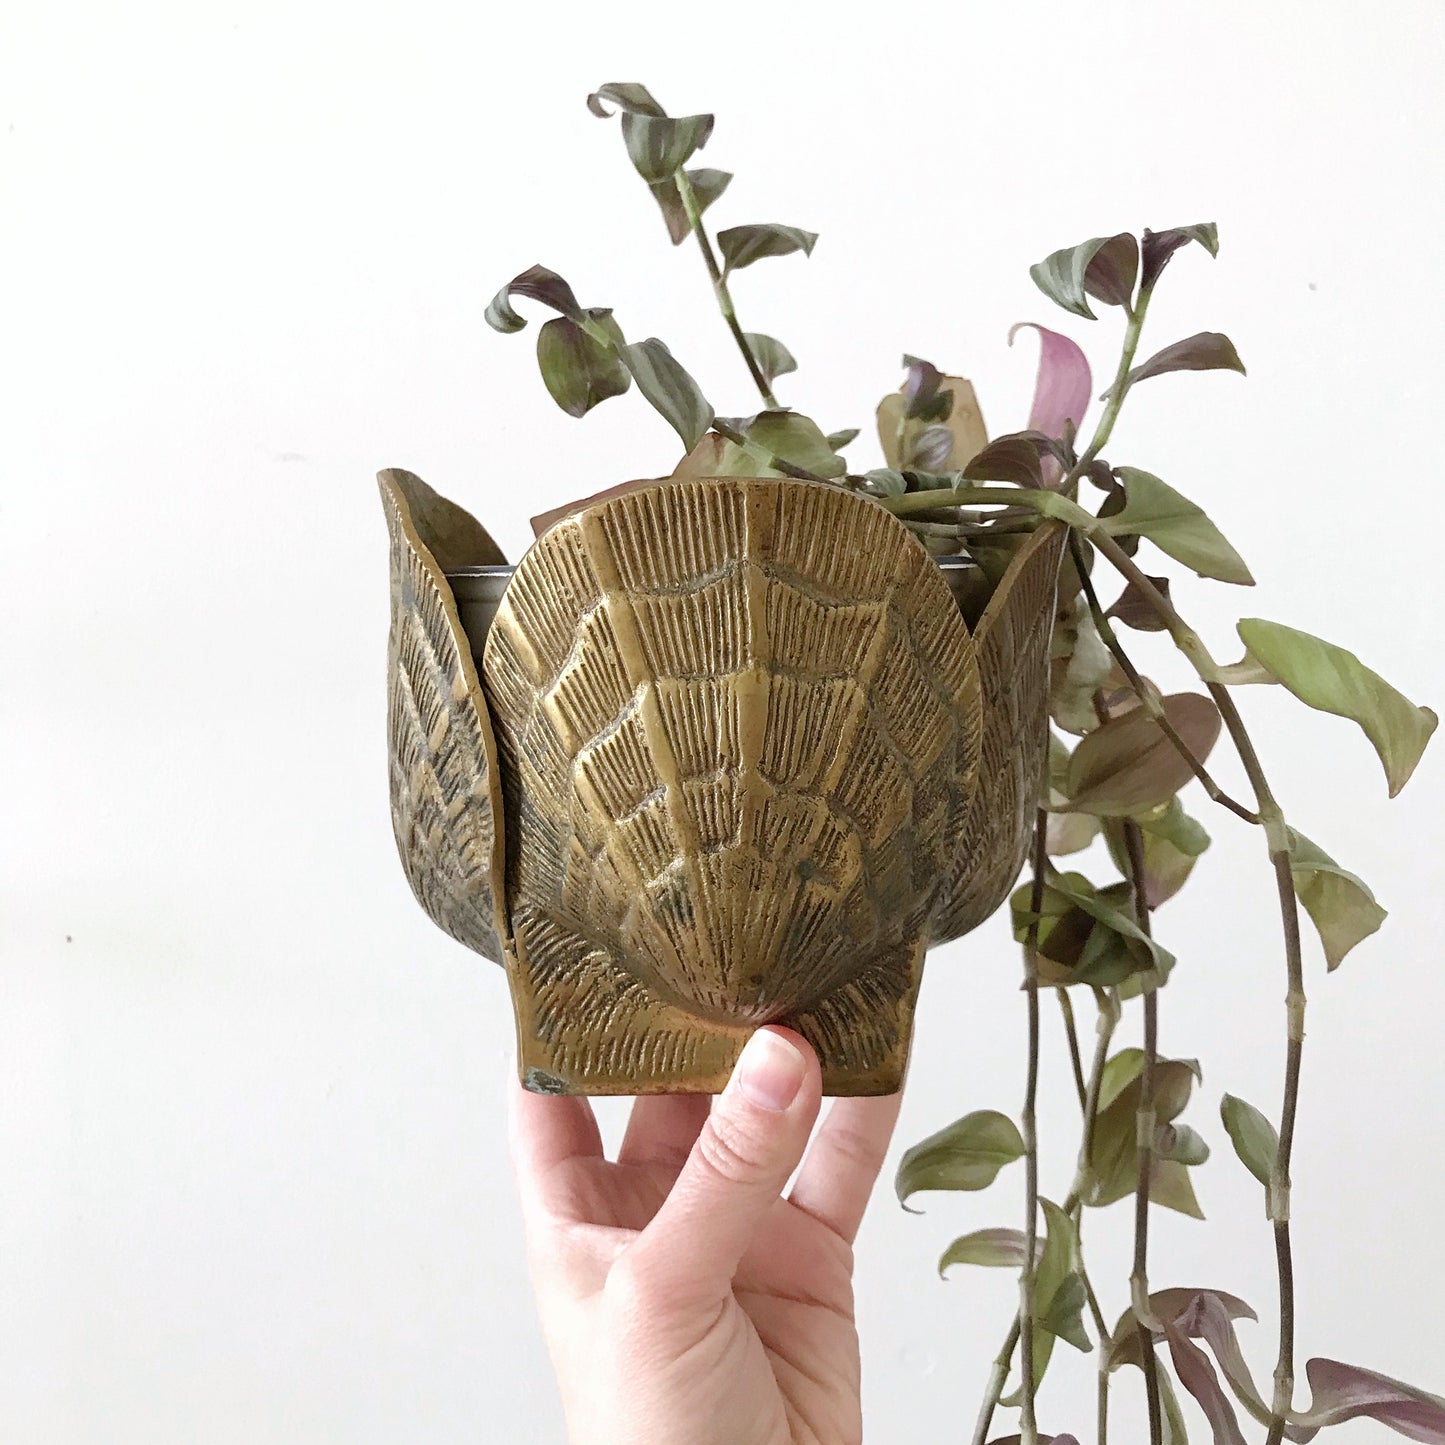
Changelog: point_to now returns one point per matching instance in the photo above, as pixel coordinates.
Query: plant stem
(1145, 694)
(997, 1377)
(1028, 1424)
(720, 285)
(1139, 1280)
(1101, 1424)
(1071, 1033)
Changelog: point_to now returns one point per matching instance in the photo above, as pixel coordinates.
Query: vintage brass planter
(727, 754)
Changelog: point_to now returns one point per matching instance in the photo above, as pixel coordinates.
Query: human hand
(684, 1301)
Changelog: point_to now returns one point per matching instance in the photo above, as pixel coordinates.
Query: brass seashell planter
(727, 754)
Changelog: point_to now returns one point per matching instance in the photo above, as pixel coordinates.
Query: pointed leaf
(1065, 276)
(1159, 246)
(1333, 680)
(792, 437)
(1127, 766)
(580, 371)
(1252, 1135)
(773, 358)
(625, 95)
(1134, 610)
(1197, 1376)
(1013, 458)
(742, 245)
(967, 1155)
(1061, 390)
(1208, 351)
(1341, 905)
(538, 284)
(707, 185)
(1176, 526)
(1346, 1392)
(661, 144)
(994, 1248)
(673, 393)
(1059, 1287)
(840, 439)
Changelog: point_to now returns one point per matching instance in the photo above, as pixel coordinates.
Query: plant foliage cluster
(1122, 752)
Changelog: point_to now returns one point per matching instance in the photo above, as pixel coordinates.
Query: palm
(771, 1358)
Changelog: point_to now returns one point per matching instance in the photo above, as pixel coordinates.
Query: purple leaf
(1206, 351)
(1197, 1376)
(1343, 1392)
(1159, 246)
(1061, 391)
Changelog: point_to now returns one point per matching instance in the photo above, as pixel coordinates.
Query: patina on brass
(731, 757)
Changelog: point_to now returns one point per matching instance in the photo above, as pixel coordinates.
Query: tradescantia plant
(1121, 752)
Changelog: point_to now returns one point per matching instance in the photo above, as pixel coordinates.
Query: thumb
(752, 1141)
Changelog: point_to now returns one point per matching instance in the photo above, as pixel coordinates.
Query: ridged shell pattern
(442, 754)
(735, 722)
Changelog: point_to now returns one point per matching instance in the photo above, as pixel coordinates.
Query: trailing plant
(1122, 752)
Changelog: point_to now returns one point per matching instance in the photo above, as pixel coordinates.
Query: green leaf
(1176, 526)
(1159, 246)
(742, 245)
(967, 1155)
(579, 370)
(626, 95)
(1127, 766)
(773, 358)
(707, 186)
(886, 481)
(792, 437)
(1100, 267)
(1173, 843)
(1182, 1144)
(659, 145)
(840, 439)
(538, 284)
(994, 1248)
(1333, 680)
(1059, 1291)
(1084, 937)
(1252, 1135)
(673, 393)
(1114, 1165)
(1208, 351)
(1342, 907)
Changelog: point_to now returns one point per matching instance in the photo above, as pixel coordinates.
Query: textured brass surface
(734, 758)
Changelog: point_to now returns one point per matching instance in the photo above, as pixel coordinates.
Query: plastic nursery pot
(715, 754)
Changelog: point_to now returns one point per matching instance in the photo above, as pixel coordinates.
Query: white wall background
(253, 1183)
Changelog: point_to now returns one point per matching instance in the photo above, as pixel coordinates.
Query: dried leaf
(1333, 680)
(1208, 351)
(1252, 1135)
(1127, 766)
(580, 371)
(1099, 267)
(1159, 246)
(538, 284)
(660, 145)
(1342, 907)
(967, 1155)
(773, 358)
(994, 1248)
(675, 396)
(742, 245)
(1176, 526)
(950, 399)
